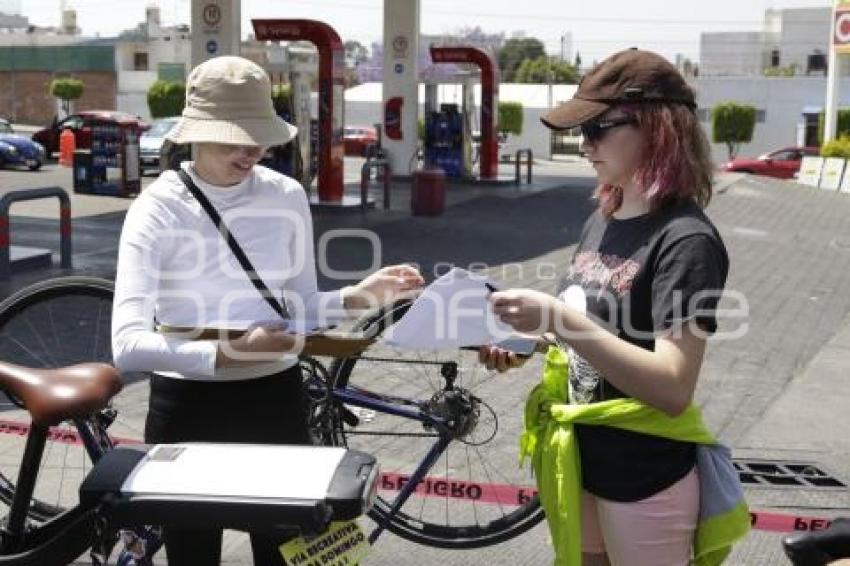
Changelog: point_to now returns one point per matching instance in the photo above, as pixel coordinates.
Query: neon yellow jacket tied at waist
(549, 440)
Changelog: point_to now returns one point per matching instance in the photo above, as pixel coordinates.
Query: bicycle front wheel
(475, 494)
(56, 323)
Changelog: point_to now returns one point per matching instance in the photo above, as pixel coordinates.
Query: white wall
(132, 93)
(803, 31)
(731, 53)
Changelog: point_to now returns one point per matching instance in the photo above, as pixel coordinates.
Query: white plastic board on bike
(232, 485)
(452, 312)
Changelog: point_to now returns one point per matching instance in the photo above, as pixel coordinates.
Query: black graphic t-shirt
(640, 277)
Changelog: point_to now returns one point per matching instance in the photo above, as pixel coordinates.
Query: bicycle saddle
(817, 548)
(54, 395)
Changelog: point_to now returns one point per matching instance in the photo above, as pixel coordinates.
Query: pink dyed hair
(676, 161)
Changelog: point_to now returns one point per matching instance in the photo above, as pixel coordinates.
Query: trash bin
(428, 197)
(82, 167)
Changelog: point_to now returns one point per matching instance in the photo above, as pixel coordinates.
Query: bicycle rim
(475, 494)
(55, 323)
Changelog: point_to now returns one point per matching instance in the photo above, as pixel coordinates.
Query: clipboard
(318, 342)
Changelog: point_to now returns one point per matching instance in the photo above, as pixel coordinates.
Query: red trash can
(428, 197)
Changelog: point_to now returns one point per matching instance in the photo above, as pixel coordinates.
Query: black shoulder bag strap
(246, 264)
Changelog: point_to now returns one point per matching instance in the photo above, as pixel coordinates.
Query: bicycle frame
(374, 402)
(59, 539)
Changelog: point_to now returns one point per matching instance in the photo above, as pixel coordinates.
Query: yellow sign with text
(343, 544)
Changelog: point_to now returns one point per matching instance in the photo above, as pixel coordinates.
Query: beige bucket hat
(228, 101)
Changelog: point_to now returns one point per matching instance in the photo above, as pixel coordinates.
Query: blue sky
(598, 27)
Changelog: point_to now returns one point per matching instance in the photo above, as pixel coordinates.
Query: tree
(577, 62)
(544, 70)
(166, 98)
(66, 89)
(282, 100)
(510, 118)
(355, 53)
(515, 51)
(733, 124)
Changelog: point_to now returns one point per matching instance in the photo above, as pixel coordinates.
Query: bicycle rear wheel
(475, 494)
(55, 323)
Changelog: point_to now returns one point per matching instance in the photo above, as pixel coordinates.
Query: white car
(150, 144)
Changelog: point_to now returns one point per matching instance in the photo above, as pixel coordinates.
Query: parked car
(18, 150)
(49, 136)
(150, 144)
(358, 138)
(781, 163)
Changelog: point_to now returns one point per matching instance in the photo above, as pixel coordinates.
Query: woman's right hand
(258, 344)
(495, 358)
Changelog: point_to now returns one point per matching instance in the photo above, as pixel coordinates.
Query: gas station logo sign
(841, 29)
(212, 15)
(400, 47)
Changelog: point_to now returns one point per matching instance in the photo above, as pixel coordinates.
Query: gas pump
(448, 131)
(488, 145)
(444, 140)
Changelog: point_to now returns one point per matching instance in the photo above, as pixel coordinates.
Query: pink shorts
(656, 531)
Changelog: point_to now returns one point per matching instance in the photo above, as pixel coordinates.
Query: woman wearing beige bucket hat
(632, 318)
(177, 271)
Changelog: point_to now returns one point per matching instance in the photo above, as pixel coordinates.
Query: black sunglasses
(593, 132)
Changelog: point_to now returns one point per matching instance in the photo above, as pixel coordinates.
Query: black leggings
(266, 410)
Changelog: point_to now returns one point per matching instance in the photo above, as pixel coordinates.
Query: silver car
(150, 144)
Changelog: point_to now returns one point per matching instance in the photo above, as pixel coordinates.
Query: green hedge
(510, 117)
(166, 98)
(837, 148)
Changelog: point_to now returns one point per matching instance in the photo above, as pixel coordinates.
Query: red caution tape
(779, 523)
(500, 494)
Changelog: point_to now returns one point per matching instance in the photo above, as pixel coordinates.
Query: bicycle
(415, 411)
(159, 484)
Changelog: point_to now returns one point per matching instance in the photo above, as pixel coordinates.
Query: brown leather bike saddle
(54, 395)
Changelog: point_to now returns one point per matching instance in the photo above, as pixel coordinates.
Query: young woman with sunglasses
(636, 306)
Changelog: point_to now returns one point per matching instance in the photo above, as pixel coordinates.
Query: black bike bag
(233, 486)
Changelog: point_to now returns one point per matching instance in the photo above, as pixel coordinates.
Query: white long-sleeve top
(175, 269)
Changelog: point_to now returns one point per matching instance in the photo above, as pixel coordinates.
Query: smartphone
(519, 345)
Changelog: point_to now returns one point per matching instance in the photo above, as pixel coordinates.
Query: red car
(782, 163)
(49, 137)
(358, 138)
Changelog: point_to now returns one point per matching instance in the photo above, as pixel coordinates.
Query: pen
(491, 288)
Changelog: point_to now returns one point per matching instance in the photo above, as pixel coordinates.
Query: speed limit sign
(841, 30)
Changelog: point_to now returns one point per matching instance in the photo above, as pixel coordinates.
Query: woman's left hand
(386, 285)
(526, 311)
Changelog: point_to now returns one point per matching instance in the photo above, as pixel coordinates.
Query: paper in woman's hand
(452, 312)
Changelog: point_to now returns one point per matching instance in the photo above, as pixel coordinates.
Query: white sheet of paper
(450, 313)
(236, 470)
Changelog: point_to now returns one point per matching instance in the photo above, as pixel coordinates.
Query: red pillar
(331, 93)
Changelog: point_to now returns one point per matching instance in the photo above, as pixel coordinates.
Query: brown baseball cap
(628, 77)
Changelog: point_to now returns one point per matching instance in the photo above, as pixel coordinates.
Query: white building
(794, 41)
(140, 55)
(792, 45)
